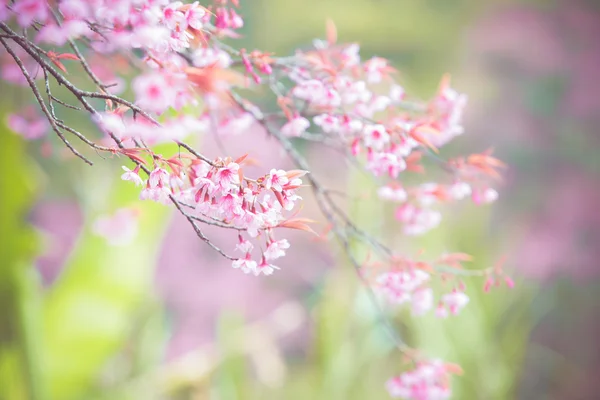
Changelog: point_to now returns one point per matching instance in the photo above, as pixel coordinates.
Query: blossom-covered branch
(186, 79)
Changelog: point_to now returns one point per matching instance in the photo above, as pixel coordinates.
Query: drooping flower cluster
(219, 193)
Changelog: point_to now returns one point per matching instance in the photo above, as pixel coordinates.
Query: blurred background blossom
(162, 316)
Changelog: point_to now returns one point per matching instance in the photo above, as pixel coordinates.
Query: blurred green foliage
(19, 288)
(54, 343)
(88, 312)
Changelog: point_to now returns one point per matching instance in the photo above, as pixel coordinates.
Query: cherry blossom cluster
(120, 228)
(409, 282)
(430, 380)
(219, 193)
(415, 208)
(361, 106)
(174, 60)
(110, 25)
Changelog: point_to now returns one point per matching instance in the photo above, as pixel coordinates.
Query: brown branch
(330, 209)
(38, 96)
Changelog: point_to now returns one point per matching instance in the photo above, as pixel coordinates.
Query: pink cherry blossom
(328, 123)
(172, 15)
(276, 179)
(235, 20)
(195, 15)
(226, 19)
(369, 108)
(397, 93)
(158, 177)
(252, 222)
(276, 249)
(236, 125)
(390, 193)
(386, 163)
(375, 69)
(75, 9)
(441, 311)
(427, 193)
(350, 55)
(509, 282)
(484, 195)
(310, 90)
(209, 56)
(295, 127)
(118, 229)
(4, 11)
(28, 11)
(132, 176)
(247, 265)
(417, 221)
(428, 381)
(228, 176)
(265, 268)
(29, 125)
(12, 73)
(59, 35)
(398, 287)
(230, 206)
(245, 246)
(422, 301)
(159, 194)
(154, 92)
(350, 126)
(352, 91)
(376, 136)
(455, 301)
(460, 190)
(318, 94)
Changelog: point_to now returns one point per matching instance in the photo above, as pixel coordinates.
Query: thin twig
(198, 231)
(62, 103)
(195, 153)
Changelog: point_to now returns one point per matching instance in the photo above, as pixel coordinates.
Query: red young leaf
(241, 159)
(68, 56)
(295, 173)
(278, 197)
(59, 65)
(298, 223)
